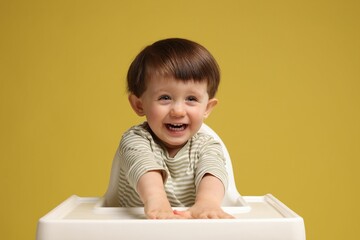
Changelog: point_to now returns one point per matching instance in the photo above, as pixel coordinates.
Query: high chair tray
(84, 218)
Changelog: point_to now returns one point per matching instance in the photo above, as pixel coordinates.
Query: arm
(208, 200)
(152, 193)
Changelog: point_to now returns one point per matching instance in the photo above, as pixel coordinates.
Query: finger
(213, 216)
(225, 215)
(216, 215)
(162, 215)
(183, 214)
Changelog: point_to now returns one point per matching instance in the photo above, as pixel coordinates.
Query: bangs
(178, 58)
(186, 66)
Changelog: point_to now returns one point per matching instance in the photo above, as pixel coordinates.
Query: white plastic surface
(84, 219)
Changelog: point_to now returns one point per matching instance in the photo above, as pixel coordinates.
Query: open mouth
(176, 127)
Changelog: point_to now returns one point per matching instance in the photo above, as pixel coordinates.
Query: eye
(192, 99)
(164, 98)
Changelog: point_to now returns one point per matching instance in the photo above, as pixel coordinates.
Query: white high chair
(231, 198)
(87, 218)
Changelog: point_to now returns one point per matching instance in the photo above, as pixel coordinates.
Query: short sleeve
(211, 161)
(137, 156)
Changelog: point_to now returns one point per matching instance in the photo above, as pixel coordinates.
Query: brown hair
(179, 58)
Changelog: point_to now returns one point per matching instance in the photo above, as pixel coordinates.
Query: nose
(177, 110)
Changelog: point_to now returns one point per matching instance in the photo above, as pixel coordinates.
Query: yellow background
(289, 107)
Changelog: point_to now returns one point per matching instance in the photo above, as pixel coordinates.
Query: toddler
(166, 162)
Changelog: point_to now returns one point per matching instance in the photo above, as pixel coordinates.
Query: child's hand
(204, 211)
(159, 208)
(208, 200)
(152, 193)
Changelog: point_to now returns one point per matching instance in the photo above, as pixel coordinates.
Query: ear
(210, 106)
(136, 105)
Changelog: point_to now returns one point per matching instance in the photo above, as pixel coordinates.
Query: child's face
(174, 109)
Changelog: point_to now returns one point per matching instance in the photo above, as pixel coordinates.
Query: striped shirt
(139, 152)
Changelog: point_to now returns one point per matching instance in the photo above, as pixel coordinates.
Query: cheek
(154, 113)
(197, 113)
